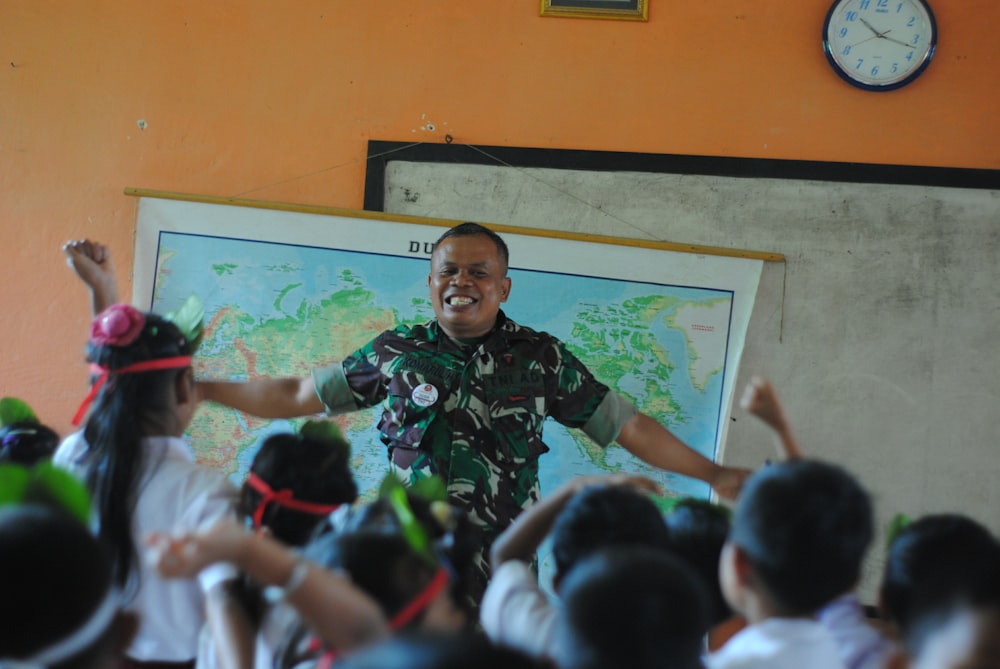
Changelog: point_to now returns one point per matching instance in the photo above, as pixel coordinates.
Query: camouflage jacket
(473, 414)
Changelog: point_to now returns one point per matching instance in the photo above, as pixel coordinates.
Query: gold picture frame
(627, 10)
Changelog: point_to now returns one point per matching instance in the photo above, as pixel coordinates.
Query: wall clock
(879, 45)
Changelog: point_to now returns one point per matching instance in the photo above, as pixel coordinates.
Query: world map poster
(286, 289)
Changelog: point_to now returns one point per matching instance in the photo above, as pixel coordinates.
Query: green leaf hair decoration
(14, 410)
(327, 430)
(896, 525)
(44, 483)
(413, 531)
(190, 320)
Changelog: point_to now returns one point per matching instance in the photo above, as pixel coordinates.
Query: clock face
(879, 45)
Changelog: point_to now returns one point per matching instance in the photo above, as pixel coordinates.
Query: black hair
(54, 574)
(936, 563)
(437, 651)
(603, 516)
(368, 545)
(27, 442)
(316, 470)
(631, 607)
(128, 407)
(805, 526)
(696, 532)
(469, 229)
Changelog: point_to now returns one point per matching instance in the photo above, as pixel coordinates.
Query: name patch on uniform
(514, 387)
(430, 368)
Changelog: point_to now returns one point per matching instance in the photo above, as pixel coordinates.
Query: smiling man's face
(468, 282)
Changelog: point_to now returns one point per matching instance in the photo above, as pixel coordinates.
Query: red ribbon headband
(283, 498)
(421, 601)
(416, 606)
(175, 362)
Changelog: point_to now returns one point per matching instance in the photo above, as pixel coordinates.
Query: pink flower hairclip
(118, 325)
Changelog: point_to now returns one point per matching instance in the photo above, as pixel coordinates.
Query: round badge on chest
(879, 45)
(424, 395)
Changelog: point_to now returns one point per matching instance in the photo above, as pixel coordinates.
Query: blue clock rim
(879, 88)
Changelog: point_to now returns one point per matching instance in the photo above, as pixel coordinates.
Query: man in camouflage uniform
(465, 396)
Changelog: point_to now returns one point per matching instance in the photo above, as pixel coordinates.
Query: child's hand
(183, 556)
(760, 400)
(93, 264)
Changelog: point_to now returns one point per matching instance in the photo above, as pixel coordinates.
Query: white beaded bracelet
(295, 580)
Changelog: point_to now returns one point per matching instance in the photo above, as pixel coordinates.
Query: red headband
(283, 498)
(400, 620)
(421, 601)
(175, 362)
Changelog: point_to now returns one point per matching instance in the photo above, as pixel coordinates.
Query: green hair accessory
(414, 532)
(327, 430)
(46, 484)
(895, 526)
(190, 320)
(13, 410)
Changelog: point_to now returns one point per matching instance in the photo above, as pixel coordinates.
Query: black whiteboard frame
(381, 152)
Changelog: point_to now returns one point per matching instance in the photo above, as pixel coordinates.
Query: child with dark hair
(935, 563)
(416, 588)
(860, 644)
(632, 607)
(583, 516)
(423, 650)
(60, 603)
(799, 534)
(295, 481)
(23, 438)
(142, 477)
(696, 532)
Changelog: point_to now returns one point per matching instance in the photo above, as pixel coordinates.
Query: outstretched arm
(761, 400)
(93, 264)
(343, 616)
(525, 535)
(278, 397)
(654, 444)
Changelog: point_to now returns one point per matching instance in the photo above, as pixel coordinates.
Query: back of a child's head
(604, 516)
(805, 526)
(436, 651)
(937, 561)
(310, 469)
(59, 603)
(697, 530)
(631, 607)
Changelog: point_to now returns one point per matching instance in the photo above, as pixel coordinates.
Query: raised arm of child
(343, 616)
(93, 264)
(525, 535)
(761, 400)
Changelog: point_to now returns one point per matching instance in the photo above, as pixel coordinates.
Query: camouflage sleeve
(332, 389)
(607, 422)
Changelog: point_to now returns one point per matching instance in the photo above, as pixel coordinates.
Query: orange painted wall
(276, 100)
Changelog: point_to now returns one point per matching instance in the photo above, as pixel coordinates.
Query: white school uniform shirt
(174, 494)
(778, 643)
(861, 646)
(515, 612)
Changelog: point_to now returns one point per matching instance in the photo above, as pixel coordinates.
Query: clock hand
(897, 41)
(870, 27)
